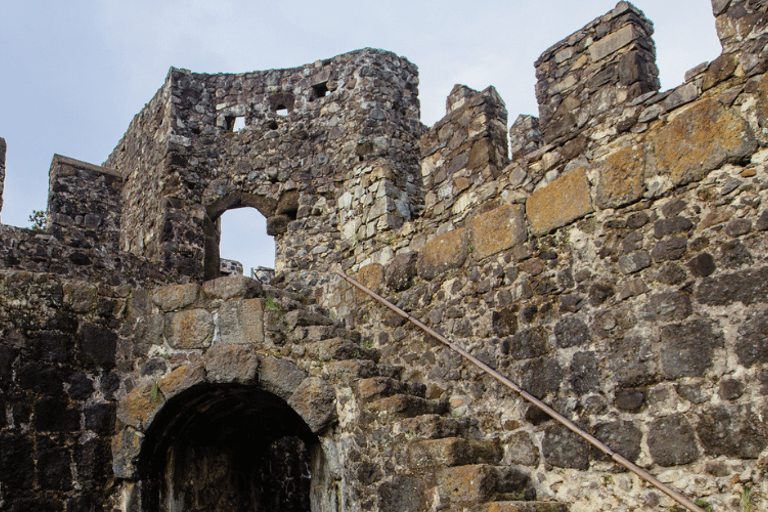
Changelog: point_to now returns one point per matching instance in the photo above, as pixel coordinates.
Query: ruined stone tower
(610, 256)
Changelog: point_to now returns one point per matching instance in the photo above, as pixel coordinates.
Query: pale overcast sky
(75, 73)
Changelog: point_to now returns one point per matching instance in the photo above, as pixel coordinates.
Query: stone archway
(237, 430)
(221, 197)
(226, 448)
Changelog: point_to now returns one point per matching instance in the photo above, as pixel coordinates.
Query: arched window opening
(228, 447)
(240, 245)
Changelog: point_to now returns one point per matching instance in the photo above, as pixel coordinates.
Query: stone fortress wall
(614, 264)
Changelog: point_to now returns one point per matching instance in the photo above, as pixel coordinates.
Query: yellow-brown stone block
(372, 277)
(173, 297)
(466, 483)
(497, 230)
(141, 404)
(701, 139)
(180, 379)
(442, 253)
(622, 177)
(189, 329)
(559, 203)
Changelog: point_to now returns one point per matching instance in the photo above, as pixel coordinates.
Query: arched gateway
(214, 420)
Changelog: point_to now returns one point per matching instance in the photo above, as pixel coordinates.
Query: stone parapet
(585, 79)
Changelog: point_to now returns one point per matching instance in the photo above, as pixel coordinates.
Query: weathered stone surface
(497, 230)
(752, 341)
(671, 226)
(140, 405)
(315, 401)
(668, 307)
(571, 332)
(228, 287)
(622, 177)
(97, 346)
(635, 262)
(279, 376)
(702, 265)
(401, 271)
(126, 445)
(541, 376)
(585, 375)
(526, 506)
(688, 349)
(670, 249)
(242, 322)
(449, 452)
(404, 406)
(520, 449)
(231, 363)
(672, 442)
(189, 329)
(564, 449)
(466, 483)
(746, 286)
(401, 493)
(630, 400)
(173, 297)
(372, 277)
(526, 344)
(730, 389)
(559, 203)
(613, 42)
(444, 252)
(732, 430)
(701, 139)
(623, 437)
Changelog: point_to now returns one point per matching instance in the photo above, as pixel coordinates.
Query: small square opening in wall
(319, 91)
(281, 110)
(238, 124)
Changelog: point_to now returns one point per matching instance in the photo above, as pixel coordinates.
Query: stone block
(97, 346)
(231, 363)
(732, 430)
(564, 449)
(623, 437)
(315, 401)
(401, 493)
(173, 297)
(242, 322)
(634, 262)
(180, 379)
(449, 452)
(621, 177)
(401, 271)
(672, 441)
(751, 345)
(279, 376)
(228, 287)
(497, 230)
(126, 445)
(688, 349)
(372, 277)
(559, 203)
(402, 406)
(189, 329)
(140, 405)
(746, 286)
(442, 253)
(613, 42)
(467, 483)
(700, 139)
(525, 506)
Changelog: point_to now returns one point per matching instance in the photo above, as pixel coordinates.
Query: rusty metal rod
(669, 491)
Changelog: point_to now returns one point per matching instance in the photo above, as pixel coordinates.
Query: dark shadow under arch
(227, 447)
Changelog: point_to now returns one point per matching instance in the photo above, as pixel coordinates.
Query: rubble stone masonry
(610, 256)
